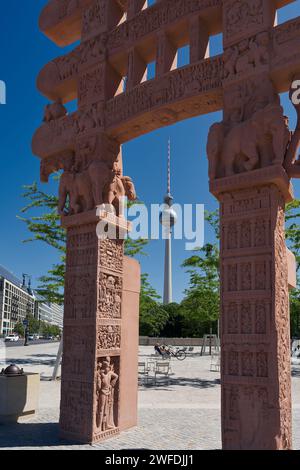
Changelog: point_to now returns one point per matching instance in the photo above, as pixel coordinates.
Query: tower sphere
(168, 217)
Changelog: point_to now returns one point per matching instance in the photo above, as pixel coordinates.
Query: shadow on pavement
(181, 381)
(30, 435)
(295, 372)
(27, 361)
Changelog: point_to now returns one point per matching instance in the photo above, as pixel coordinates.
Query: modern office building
(17, 301)
(49, 313)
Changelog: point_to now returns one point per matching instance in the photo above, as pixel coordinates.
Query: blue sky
(23, 52)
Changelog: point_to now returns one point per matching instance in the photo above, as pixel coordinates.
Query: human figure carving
(54, 111)
(106, 382)
(117, 189)
(260, 49)
(230, 58)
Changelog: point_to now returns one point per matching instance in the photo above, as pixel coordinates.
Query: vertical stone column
(137, 69)
(135, 6)
(246, 155)
(166, 56)
(256, 394)
(93, 327)
(199, 39)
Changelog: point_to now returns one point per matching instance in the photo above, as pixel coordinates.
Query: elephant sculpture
(258, 142)
(75, 186)
(96, 185)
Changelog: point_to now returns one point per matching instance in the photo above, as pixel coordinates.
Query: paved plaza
(184, 414)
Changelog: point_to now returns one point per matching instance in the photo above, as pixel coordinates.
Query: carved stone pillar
(166, 58)
(137, 69)
(255, 359)
(199, 38)
(135, 6)
(101, 290)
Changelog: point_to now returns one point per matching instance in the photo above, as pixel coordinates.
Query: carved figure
(106, 382)
(244, 61)
(75, 189)
(247, 55)
(259, 49)
(54, 111)
(260, 141)
(230, 58)
(117, 189)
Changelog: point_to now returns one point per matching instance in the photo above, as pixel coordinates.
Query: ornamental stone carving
(107, 379)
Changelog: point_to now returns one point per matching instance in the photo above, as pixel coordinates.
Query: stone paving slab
(159, 429)
(183, 414)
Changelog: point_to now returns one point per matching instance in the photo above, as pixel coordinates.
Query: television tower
(168, 218)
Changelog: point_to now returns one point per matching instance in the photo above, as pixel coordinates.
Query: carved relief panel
(107, 396)
(244, 18)
(109, 296)
(111, 255)
(108, 337)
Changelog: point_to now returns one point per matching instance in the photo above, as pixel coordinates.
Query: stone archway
(250, 169)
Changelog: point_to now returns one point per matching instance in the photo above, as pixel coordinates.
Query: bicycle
(179, 354)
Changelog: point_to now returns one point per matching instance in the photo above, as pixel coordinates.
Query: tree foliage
(293, 241)
(37, 327)
(153, 316)
(201, 304)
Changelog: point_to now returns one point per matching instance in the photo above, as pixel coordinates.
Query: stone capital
(94, 217)
(265, 176)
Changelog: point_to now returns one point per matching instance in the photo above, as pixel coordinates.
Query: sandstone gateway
(252, 156)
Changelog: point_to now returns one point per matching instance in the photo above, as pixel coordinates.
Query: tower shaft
(168, 294)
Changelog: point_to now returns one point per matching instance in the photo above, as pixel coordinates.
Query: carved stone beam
(61, 20)
(285, 62)
(101, 17)
(58, 79)
(149, 106)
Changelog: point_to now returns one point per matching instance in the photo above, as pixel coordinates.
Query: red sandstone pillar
(199, 39)
(256, 376)
(137, 69)
(246, 155)
(135, 6)
(101, 305)
(166, 58)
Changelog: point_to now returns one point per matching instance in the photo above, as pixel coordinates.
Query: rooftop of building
(9, 276)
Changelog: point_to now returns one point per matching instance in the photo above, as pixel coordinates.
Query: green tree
(45, 227)
(33, 324)
(19, 329)
(292, 215)
(201, 304)
(175, 324)
(153, 316)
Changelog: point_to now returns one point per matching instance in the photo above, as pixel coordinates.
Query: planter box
(19, 397)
